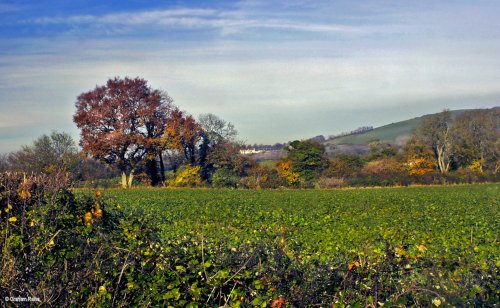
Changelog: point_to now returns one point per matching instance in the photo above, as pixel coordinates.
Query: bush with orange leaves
(285, 169)
(420, 165)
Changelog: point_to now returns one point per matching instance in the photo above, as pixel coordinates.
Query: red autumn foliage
(182, 133)
(122, 121)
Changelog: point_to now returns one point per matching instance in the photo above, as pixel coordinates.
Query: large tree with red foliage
(122, 123)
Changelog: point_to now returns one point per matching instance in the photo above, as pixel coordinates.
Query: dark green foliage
(224, 177)
(308, 158)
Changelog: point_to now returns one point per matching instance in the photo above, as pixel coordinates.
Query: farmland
(422, 246)
(438, 243)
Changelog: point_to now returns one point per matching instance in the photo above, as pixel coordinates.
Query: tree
(384, 171)
(217, 135)
(476, 134)
(47, 154)
(308, 158)
(435, 131)
(4, 162)
(120, 123)
(224, 177)
(217, 130)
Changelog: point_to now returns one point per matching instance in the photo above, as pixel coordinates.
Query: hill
(394, 133)
(387, 133)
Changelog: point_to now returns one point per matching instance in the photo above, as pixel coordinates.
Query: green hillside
(388, 133)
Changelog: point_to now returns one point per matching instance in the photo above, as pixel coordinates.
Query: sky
(278, 70)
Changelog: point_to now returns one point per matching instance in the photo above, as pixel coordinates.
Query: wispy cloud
(127, 18)
(227, 22)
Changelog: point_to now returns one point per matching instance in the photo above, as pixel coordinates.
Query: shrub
(225, 178)
(186, 176)
(285, 170)
(262, 177)
(325, 182)
(51, 242)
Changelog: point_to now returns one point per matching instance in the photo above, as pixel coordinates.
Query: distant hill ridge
(393, 132)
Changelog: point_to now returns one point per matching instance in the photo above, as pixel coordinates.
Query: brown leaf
(278, 302)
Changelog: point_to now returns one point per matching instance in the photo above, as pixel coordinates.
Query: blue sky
(279, 70)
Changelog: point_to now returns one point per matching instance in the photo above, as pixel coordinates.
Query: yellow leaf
(13, 219)
(87, 218)
(436, 302)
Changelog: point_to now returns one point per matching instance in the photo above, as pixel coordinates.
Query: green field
(399, 245)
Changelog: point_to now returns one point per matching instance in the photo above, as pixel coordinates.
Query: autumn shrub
(262, 177)
(186, 176)
(285, 170)
(382, 172)
(326, 182)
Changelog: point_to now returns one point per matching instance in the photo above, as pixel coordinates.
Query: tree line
(132, 131)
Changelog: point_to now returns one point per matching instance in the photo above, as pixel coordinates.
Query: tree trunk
(152, 168)
(162, 169)
(130, 178)
(124, 179)
(441, 157)
(127, 178)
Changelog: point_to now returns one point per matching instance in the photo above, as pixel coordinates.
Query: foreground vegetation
(423, 246)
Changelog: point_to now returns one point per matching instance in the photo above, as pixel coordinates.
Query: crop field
(405, 246)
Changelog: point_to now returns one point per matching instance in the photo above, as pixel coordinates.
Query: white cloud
(227, 21)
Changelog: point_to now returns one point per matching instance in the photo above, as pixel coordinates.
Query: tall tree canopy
(435, 131)
(476, 138)
(308, 158)
(121, 122)
(217, 141)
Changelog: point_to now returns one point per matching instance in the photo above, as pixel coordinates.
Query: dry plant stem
(125, 264)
